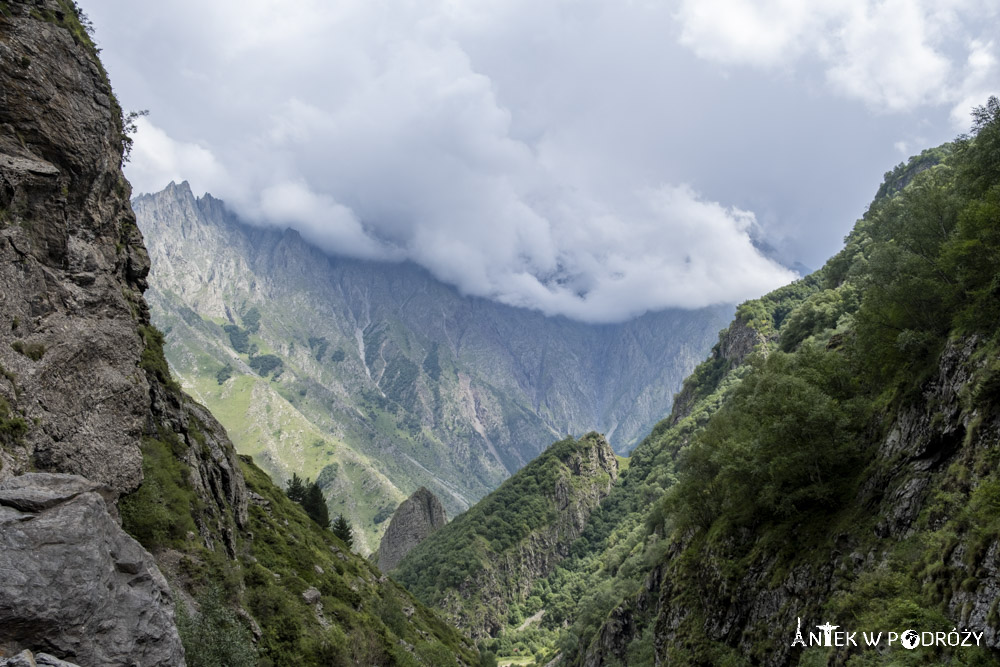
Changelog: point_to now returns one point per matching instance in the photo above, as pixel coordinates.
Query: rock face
(417, 517)
(74, 583)
(72, 263)
(82, 378)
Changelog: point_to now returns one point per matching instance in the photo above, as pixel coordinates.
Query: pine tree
(342, 529)
(315, 505)
(296, 489)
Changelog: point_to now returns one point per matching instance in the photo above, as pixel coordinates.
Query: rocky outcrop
(28, 659)
(74, 583)
(417, 517)
(82, 376)
(72, 263)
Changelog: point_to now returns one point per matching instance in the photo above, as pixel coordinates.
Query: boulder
(74, 583)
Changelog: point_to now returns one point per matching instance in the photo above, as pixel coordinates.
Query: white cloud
(535, 152)
(982, 74)
(893, 55)
(157, 159)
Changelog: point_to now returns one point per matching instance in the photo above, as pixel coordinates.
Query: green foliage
(296, 489)
(238, 338)
(980, 163)
(34, 351)
(318, 347)
(398, 380)
(266, 364)
(785, 443)
(130, 127)
(309, 495)
(500, 521)
(152, 359)
(432, 365)
(365, 612)
(821, 311)
(251, 320)
(214, 635)
(337, 356)
(342, 529)
(224, 374)
(12, 426)
(315, 506)
(160, 512)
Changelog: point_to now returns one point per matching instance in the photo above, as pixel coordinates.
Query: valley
(375, 378)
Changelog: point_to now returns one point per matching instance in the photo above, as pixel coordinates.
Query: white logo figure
(799, 641)
(827, 633)
(910, 639)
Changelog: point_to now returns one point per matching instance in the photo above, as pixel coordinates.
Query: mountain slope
(85, 390)
(388, 379)
(840, 473)
(833, 461)
(486, 562)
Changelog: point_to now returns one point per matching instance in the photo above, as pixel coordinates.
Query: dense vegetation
(309, 495)
(528, 520)
(771, 459)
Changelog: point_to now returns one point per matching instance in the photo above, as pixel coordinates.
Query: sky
(589, 158)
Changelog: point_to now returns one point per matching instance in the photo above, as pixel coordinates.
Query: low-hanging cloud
(525, 152)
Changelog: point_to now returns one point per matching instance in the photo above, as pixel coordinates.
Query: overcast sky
(592, 158)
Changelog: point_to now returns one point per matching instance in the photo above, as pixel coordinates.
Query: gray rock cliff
(74, 583)
(82, 378)
(416, 518)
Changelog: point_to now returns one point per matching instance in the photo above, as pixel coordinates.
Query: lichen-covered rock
(417, 517)
(74, 583)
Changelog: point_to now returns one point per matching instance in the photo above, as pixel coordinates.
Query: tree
(296, 489)
(342, 529)
(315, 505)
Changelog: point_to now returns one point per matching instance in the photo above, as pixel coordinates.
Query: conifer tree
(315, 505)
(342, 529)
(296, 489)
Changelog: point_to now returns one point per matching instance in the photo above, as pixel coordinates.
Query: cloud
(569, 157)
(894, 55)
(157, 159)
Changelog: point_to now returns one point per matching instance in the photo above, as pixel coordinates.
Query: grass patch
(159, 513)
(34, 351)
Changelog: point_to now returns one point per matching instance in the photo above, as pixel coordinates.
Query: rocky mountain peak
(417, 517)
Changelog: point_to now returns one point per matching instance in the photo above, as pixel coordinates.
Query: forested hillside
(834, 460)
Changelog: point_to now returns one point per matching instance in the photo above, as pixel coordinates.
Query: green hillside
(833, 460)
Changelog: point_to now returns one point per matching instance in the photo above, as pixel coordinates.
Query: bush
(238, 338)
(224, 374)
(214, 636)
(33, 351)
(159, 513)
(266, 364)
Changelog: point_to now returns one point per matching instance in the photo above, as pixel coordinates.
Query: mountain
(832, 463)
(214, 565)
(488, 559)
(375, 378)
(413, 521)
